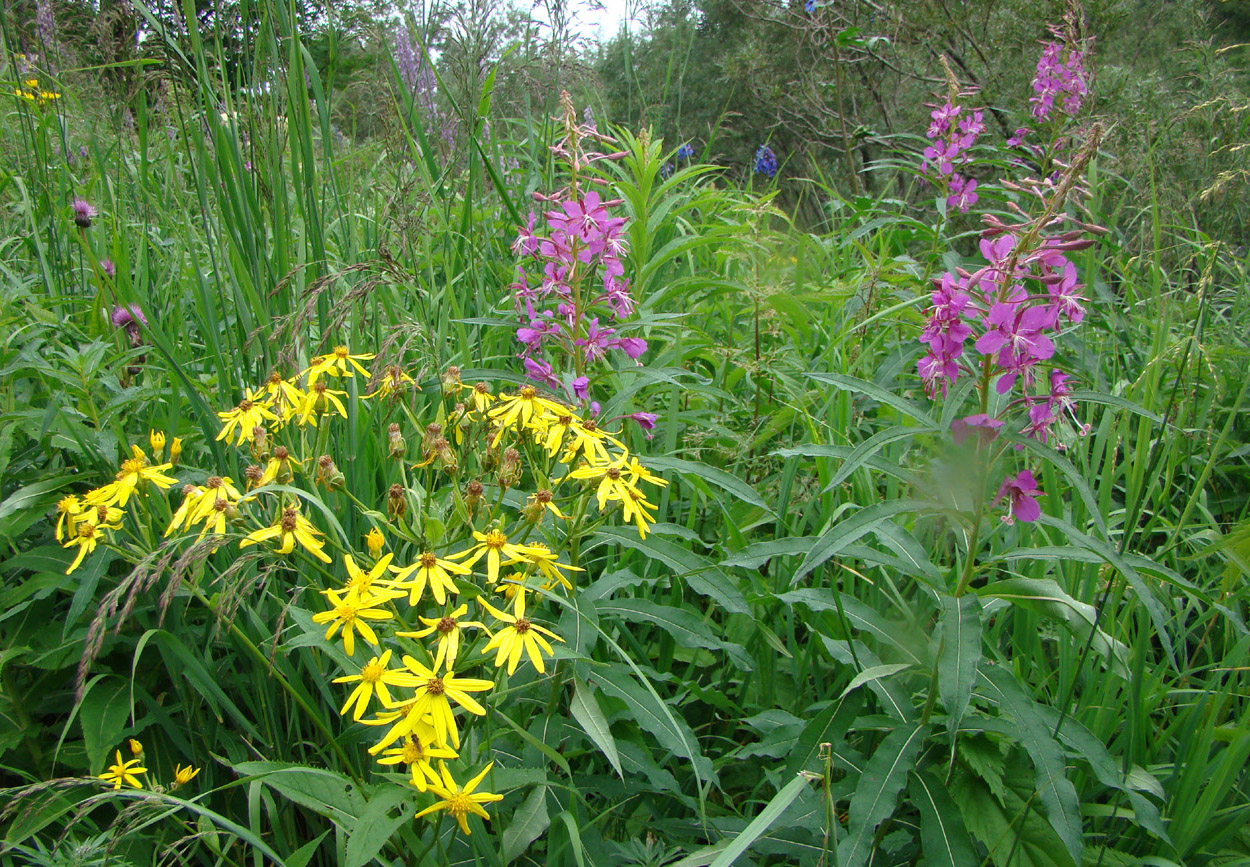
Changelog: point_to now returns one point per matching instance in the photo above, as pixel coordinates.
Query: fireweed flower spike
(124, 773)
(459, 802)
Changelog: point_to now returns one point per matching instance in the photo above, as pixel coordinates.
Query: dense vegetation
(786, 434)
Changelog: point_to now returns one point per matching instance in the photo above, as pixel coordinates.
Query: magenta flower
(963, 193)
(130, 318)
(83, 212)
(540, 371)
(109, 269)
(1021, 494)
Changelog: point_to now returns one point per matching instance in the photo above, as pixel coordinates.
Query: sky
(602, 25)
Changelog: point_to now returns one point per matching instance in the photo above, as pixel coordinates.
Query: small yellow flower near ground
(182, 775)
(349, 613)
(521, 635)
(291, 527)
(435, 694)
(428, 569)
(458, 802)
(252, 412)
(124, 773)
(448, 628)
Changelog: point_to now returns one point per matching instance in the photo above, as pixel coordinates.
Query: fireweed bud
(396, 502)
(395, 441)
(451, 381)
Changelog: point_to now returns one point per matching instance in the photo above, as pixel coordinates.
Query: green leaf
(1054, 788)
(846, 531)
(959, 656)
(528, 824)
(761, 823)
(686, 628)
(942, 833)
(31, 496)
(671, 731)
(1015, 834)
(105, 709)
(873, 674)
(377, 823)
(301, 856)
(321, 790)
(878, 788)
(703, 576)
(586, 711)
(870, 447)
(858, 615)
(755, 555)
(828, 727)
(727, 482)
(870, 389)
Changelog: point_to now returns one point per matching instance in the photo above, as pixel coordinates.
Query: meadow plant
(765, 162)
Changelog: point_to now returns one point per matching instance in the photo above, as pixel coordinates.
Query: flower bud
(395, 441)
(328, 474)
(260, 440)
(396, 502)
(175, 450)
(156, 439)
(253, 474)
(451, 380)
(473, 496)
(374, 540)
(509, 468)
(136, 748)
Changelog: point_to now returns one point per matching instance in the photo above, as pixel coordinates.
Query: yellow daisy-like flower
(373, 680)
(124, 773)
(393, 381)
(458, 802)
(524, 409)
(521, 635)
(182, 775)
(68, 513)
(362, 581)
(416, 753)
(252, 412)
(448, 628)
(350, 613)
(482, 398)
(548, 565)
(134, 470)
(284, 394)
(291, 527)
(435, 694)
(191, 495)
(545, 499)
(215, 488)
(634, 508)
(320, 400)
(586, 439)
(87, 537)
(494, 545)
(339, 362)
(428, 569)
(278, 468)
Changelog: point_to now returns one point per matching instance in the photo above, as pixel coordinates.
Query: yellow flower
(494, 545)
(279, 467)
(361, 581)
(337, 363)
(124, 773)
(69, 513)
(291, 527)
(586, 438)
(175, 450)
(546, 560)
(524, 409)
(182, 775)
(219, 494)
(350, 612)
(482, 398)
(136, 748)
(191, 495)
(435, 694)
(545, 499)
(373, 679)
(374, 540)
(459, 802)
(87, 538)
(156, 439)
(252, 412)
(521, 635)
(448, 629)
(428, 569)
(320, 400)
(634, 507)
(393, 380)
(416, 753)
(284, 393)
(134, 470)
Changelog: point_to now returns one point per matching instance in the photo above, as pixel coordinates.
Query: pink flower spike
(1021, 493)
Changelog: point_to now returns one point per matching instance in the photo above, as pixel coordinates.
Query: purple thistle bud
(83, 212)
(128, 317)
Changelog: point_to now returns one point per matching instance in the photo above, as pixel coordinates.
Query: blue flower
(685, 151)
(666, 170)
(765, 161)
(810, 6)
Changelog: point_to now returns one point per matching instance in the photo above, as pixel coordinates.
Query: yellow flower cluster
(30, 91)
(126, 772)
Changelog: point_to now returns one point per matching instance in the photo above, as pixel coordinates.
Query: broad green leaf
(528, 824)
(1015, 833)
(858, 615)
(1054, 788)
(828, 727)
(846, 531)
(942, 833)
(870, 447)
(876, 392)
(727, 482)
(819, 450)
(959, 656)
(761, 823)
(685, 627)
(652, 715)
(321, 790)
(875, 673)
(703, 576)
(31, 496)
(755, 555)
(878, 789)
(585, 709)
(382, 816)
(301, 856)
(105, 709)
